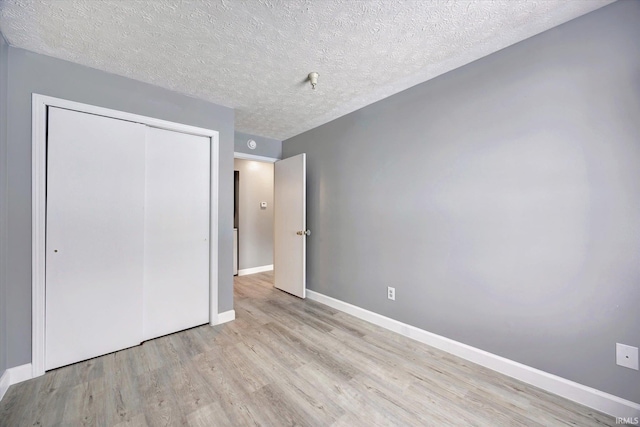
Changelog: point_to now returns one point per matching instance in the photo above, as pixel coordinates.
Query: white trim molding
(587, 396)
(39, 107)
(4, 383)
(254, 270)
(226, 316)
(14, 376)
(20, 373)
(244, 156)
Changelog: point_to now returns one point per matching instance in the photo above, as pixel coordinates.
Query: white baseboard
(226, 316)
(4, 383)
(254, 270)
(21, 373)
(587, 396)
(14, 376)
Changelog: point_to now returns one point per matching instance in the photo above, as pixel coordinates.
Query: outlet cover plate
(627, 356)
(391, 293)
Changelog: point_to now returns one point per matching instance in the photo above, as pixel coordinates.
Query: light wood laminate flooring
(284, 361)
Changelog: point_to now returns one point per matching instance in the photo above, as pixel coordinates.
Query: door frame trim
(38, 209)
(245, 156)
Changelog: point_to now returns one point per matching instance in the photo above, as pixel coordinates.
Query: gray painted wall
(33, 73)
(255, 231)
(266, 147)
(4, 56)
(501, 200)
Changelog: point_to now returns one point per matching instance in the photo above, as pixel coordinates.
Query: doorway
(253, 215)
(286, 247)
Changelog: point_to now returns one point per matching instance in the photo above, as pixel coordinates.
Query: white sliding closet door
(176, 232)
(95, 240)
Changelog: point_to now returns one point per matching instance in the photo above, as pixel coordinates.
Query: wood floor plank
(294, 389)
(203, 417)
(229, 390)
(121, 391)
(284, 361)
(137, 421)
(85, 404)
(278, 410)
(159, 403)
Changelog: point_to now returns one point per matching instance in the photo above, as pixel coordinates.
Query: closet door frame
(40, 104)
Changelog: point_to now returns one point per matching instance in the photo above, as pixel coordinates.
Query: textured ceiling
(254, 55)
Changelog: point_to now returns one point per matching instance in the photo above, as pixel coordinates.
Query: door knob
(304, 233)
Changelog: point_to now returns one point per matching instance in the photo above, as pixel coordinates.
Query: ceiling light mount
(313, 79)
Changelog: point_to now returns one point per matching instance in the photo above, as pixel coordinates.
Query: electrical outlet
(627, 356)
(391, 293)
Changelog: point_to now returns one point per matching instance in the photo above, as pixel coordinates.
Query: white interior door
(94, 251)
(290, 225)
(176, 232)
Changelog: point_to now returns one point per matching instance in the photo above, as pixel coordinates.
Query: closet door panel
(94, 253)
(176, 264)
